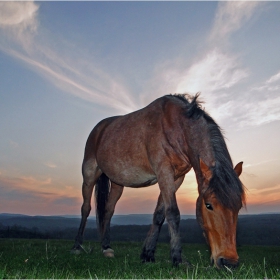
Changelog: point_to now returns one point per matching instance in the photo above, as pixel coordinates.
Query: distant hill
(139, 219)
(261, 229)
(69, 221)
(42, 222)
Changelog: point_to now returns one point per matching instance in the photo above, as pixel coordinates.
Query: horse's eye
(208, 206)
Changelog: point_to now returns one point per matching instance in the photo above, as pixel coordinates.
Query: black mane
(224, 182)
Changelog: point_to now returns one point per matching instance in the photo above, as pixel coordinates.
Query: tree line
(251, 230)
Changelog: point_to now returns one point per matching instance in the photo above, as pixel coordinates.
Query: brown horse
(160, 144)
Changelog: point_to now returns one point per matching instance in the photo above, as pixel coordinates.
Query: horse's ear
(207, 173)
(238, 168)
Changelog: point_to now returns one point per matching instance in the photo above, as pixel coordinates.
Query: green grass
(45, 259)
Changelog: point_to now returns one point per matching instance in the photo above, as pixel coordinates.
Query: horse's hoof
(176, 261)
(108, 253)
(147, 259)
(147, 256)
(187, 264)
(75, 251)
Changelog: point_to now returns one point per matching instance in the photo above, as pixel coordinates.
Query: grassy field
(25, 259)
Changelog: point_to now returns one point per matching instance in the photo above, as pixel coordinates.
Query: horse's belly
(130, 176)
(133, 178)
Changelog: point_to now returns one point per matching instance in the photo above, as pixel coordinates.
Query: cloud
(20, 14)
(212, 74)
(261, 112)
(264, 195)
(50, 165)
(30, 195)
(231, 16)
(273, 79)
(77, 77)
(219, 69)
(26, 189)
(216, 71)
(25, 183)
(261, 103)
(257, 208)
(73, 71)
(260, 163)
(273, 192)
(29, 185)
(18, 21)
(272, 84)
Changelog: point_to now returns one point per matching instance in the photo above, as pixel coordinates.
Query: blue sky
(67, 65)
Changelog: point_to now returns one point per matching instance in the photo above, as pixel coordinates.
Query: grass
(45, 259)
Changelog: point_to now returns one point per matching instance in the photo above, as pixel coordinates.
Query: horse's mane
(224, 183)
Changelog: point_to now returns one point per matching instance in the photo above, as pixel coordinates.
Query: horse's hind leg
(90, 175)
(114, 195)
(149, 247)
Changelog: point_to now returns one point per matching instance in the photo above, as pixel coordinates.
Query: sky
(67, 65)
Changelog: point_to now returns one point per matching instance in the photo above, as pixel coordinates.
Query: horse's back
(126, 147)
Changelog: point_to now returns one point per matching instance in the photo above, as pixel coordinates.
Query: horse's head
(217, 218)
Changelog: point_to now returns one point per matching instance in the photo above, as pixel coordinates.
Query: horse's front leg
(172, 213)
(150, 243)
(149, 246)
(114, 195)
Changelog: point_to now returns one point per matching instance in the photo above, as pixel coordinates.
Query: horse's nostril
(229, 263)
(220, 262)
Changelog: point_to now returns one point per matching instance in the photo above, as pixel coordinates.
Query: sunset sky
(66, 65)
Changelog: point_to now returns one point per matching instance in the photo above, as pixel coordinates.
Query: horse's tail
(102, 190)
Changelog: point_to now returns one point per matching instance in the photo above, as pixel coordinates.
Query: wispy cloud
(220, 69)
(25, 183)
(74, 74)
(18, 13)
(273, 79)
(260, 163)
(215, 71)
(50, 165)
(265, 194)
(18, 22)
(272, 84)
(39, 186)
(261, 103)
(261, 112)
(111, 93)
(26, 193)
(231, 16)
(256, 108)
(14, 191)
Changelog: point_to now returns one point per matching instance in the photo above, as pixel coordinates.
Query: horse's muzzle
(229, 263)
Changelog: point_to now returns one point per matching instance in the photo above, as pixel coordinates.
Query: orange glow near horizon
(31, 196)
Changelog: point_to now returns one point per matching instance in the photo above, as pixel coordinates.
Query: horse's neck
(200, 147)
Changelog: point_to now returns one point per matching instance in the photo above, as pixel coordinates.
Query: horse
(160, 143)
